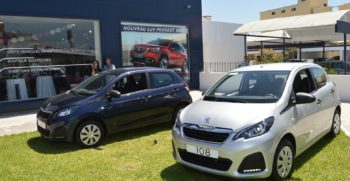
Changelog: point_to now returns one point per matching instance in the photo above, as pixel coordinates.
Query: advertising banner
(156, 45)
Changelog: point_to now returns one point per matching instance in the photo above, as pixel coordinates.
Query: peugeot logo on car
(207, 122)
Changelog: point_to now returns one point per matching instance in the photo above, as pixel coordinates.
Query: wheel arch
(338, 108)
(163, 55)
(291, 138)
(91, 117)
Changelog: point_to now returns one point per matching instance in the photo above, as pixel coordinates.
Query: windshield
(93, 84)
(249, 87)
(160, 42)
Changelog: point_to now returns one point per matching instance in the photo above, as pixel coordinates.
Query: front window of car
(249, 87)
(159, 42)
(93, 84)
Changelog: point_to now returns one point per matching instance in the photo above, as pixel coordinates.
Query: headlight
(177, 122)
(256, 130)
(155, 50)
(65, 112)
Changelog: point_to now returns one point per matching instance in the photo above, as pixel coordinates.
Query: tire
(89, 134)
(164, 62)
(336, 124)
(284, 160)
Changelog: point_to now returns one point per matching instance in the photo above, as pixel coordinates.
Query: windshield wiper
(212, 98)
(236, 100)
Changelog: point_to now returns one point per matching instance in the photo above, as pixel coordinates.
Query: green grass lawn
(134, 156)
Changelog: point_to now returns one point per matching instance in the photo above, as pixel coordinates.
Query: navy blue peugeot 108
(111, 102)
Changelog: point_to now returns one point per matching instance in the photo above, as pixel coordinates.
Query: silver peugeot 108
(256, 120)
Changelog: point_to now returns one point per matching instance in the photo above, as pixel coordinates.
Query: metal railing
(221, 66)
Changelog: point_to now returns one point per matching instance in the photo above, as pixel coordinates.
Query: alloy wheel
(90, 134)
(336, 124)
(164, 63)
(285, 162)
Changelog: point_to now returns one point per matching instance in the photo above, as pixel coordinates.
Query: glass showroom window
(42, 57)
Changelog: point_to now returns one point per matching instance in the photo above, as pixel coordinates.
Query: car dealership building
(46, 46)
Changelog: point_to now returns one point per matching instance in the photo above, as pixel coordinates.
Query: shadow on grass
(311, 152)
(42, 145)
(179, 172)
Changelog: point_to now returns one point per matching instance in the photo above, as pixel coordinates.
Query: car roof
(275, 67)
(123, 70)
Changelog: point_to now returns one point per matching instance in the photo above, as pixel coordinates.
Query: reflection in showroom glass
(42, 57)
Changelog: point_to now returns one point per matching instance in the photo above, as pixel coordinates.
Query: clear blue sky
(242, 11)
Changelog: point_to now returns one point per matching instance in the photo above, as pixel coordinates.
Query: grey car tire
(336, 124)
(284, 161)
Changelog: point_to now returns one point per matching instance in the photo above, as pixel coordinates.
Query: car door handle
(146, 98)
(319, 101)
(175, 90)
(332, 91)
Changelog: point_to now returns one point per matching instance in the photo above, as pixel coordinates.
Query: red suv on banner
(161, 53)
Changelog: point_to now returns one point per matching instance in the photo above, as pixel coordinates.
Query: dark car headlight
(66, 112)
(155, 50)
(177, 122)
(256, 130)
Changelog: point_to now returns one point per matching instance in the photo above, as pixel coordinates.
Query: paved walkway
(345, 118)
(26, 122)
(17, 123)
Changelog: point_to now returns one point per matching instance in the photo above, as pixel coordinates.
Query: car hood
(235, 116)
(66, 99)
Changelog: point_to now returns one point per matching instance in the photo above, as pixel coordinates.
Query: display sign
(153, 29)
(156, 45)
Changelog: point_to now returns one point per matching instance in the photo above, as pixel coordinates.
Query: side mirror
(173, 49)
(113, 94)
(304, 98)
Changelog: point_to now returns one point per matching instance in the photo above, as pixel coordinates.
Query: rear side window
(319, 77)
(131, 83)
(161, 80)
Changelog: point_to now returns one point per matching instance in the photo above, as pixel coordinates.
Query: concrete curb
(347, 132)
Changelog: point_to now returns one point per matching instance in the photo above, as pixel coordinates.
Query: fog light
(252, 163)
(252, 170)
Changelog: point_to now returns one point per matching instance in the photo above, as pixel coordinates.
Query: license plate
(199, 150)
(41, 124)
(139, 55)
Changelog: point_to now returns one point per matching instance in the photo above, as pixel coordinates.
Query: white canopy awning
(269, 36)
(313, 27)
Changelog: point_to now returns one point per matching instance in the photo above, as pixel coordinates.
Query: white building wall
(219, 44)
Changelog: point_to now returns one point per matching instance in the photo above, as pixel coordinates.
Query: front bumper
(143, 61)
(56, 131)
(231, 154)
